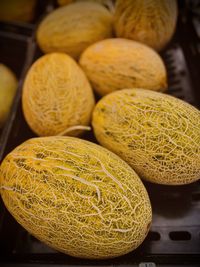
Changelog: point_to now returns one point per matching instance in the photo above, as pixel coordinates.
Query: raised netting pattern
(175, 232)
(129, 123)
(76, 196)
(56, 95)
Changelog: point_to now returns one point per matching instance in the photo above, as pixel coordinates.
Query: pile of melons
(84, 199)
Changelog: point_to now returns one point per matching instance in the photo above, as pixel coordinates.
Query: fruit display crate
(174, 237)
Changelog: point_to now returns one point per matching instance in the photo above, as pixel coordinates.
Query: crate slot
(196, 196)
(180, 235)
(153, 236)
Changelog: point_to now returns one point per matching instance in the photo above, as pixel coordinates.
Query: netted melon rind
(76, 196)
(118, 63)
(150, 22)
(157, 134)
(8, 87)
(72, 28)
(56, 95)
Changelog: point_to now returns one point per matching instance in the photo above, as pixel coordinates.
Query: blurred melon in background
(17, 10)
(8, 86)
(150, 22)
(72, 28)
(107, 3)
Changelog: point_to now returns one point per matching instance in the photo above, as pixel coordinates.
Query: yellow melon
(76, 196)
(64, 2)
(57, 96)
(117, 63)
(17, 10)
(157, 134)
(8, 87)
(151, 22)
(74, 27)
(108, 3)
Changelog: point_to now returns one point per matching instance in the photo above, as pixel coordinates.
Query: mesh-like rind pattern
(72, 28)
(76, 196)
(8, 87)
(115, 64)
(152, 22)
(158, 135)
(56, 95)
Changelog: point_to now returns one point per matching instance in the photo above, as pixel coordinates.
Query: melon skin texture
(56, 96)
(150, 22)
(8, 87)
(118, 63)
(156, 134)
(76, 196)
(72, 28)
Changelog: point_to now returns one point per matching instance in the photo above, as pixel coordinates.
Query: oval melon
(108, 3)
(56, 96)
(8, 87)
(74, 27)
(17, 10)
(157, 134)
(76, 196)
(115, 64)
(150, 22)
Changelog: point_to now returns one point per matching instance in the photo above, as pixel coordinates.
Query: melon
(57, 98)
(151, 22)
(64, 2)
(108, 3)
(8, 87)
(157, 134)
(118, 63)
(74, 27)
(17, 10)
(76, 197)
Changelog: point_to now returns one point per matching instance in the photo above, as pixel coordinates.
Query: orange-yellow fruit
(108, 3)
(151, 22)
(73, 27)
(157, 134)
(8, 87)
(56, 96)
(17, 10)
(117, 63)
(64, 2)
(76, 196)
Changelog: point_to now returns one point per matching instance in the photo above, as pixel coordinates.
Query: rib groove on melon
(118, 63)
(76, 196)
(56, 96)
(157, 134)
(151, 22)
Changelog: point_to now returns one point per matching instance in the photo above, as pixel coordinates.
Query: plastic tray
(174, 238)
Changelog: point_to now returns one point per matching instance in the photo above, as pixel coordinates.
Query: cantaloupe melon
(151, 22)
(56, 96)
(8, 86)
(76, 196)
(157, 134)
(117, 63)
(73, 27)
